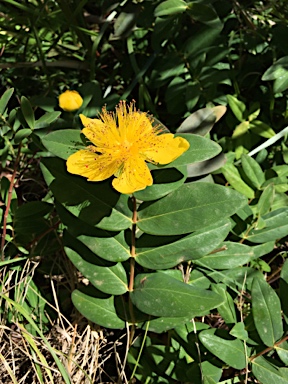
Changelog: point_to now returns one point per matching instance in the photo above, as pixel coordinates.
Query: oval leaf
(100, 311)
(266, 309)
(5, 99)
(112, 280)
(170, 7)
(191, 207)
(161, 295)
(267, 373)
(234, 255)
(199, 123)
(232, 352)
(276, 227)
(164, 182)
(108, 245)
(190, 247)
(207, 166)
(63, 143)
(233, 177)
(22, 134)
(27, 112)
(253, 171)
(200, 149)
(46, 119)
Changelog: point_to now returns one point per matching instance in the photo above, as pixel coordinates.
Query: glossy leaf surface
(266, 310)
(173, 251)
(161, 295)
(232, 352)
(99, 310)
(191, 207)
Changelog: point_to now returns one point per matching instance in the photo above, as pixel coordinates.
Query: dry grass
(86, 352)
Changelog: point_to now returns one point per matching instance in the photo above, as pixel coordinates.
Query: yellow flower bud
(70, 101)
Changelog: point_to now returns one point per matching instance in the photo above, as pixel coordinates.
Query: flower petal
(134, 176)
(166, 148)
(102, 134)
(91, 165)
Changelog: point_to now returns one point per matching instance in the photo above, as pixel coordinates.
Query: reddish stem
(133, 245)
(269, 348)
(9, 198)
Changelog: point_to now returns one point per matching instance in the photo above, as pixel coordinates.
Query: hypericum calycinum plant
(124, 234)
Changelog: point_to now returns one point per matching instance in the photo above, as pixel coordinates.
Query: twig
(269, 348)
(9, 198)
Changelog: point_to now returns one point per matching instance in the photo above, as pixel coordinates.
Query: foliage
(191, 270)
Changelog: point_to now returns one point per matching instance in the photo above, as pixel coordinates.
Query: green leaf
(199, 123)
(170, 8)
(22, 134)
(234, 255)
(266, 200)
(27, 112)
(211, 373)
(282, 351)
(161, 295)
(112, 280)
(267, 373)
(200, 149)
(241, 129)
(126, 20)
(237, 107)
(276, 70)
(5, 99)
(280, 183)
(161, 253)
(99, 310)
(205, 14)
(281, 83)
(164, 324)
(263, 249)
(191, 207)
(207, 166)
(253, 171)
(32, 209)
(164, 182)
(45, 120)
(262, 129)
(63, 143)
(232, 352)
(284, 288)
(239, 331)
(95, 203)
(29, 220)
(203, 37)
(276, 227)
(266, 309)
(233, 177)
(227, 308)
(279, 73)
(108, 245)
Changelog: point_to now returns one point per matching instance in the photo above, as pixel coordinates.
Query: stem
(9, 198)
(133, 246)
(269, 348)
(132, 268)
(140, 352)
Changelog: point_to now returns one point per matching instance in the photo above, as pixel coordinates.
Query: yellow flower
(70, 101)
(122, 143)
